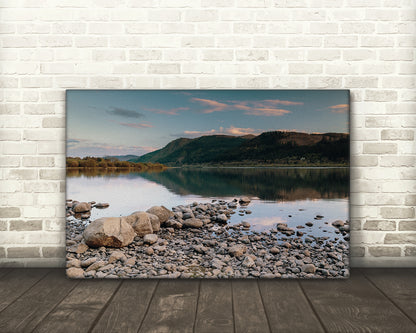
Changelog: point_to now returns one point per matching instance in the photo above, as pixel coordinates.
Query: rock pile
(196, 241)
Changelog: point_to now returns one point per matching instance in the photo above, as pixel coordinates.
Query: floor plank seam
(386, 296)
(104, 308)
(197, 304)
(232, 306)
(264, 308)
(34, 284)
(312, 307)
(56, 305)
(148, 306)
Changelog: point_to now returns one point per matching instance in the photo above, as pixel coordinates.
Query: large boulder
(141, 223)
(75, 273)
(161, 212)
(81, 207)
(237, 250)
(109, 232)
(154, 221)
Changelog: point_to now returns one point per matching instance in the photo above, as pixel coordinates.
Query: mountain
(122, 157)
(267, 148)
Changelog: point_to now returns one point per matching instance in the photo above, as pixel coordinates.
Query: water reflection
(271, 184)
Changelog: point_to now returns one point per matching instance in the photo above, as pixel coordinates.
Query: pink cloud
(339, 108)
(236, 131)
(253, 108)
(136, 125)
(213, 106)
(172, 112)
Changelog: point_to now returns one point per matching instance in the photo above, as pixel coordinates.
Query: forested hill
(275, 147)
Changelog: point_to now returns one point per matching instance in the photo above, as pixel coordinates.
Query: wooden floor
(44, 300)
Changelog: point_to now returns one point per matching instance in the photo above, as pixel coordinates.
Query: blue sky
(120, 122)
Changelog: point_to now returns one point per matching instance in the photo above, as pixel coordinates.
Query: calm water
(289, 195)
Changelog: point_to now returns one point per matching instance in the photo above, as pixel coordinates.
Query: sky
(122, 122)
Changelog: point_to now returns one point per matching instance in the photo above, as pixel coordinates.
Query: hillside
(275, 147)
(121, 157)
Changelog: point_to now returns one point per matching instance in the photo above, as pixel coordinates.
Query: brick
(29, 225)
(407, 225)
(384, 251)
(163, 68)
(3, 225)
(305, 68)
(397, 212)
(400, 238)
(395, 134)
(252, 55)
(380, 225)
(195, 15)
(52, 174)
(380, 148)
(10, 135)
(9, 212)
(53, 252)
(21, 148)
(363, 160)
(22, 174)
(325, 54)
(144, 55)
(341, 41)
(2, 252)
(410, 251)
(357, 251)
(23, 252)
(218, 55)
(9, 161)
(397, 161)
(164, 15)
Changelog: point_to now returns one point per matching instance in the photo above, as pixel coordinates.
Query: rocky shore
(196, 241)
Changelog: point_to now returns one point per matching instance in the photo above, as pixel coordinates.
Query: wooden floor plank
(399, 285)
(126, 310)
(172, 308)
(4, 271)
(249, 314)
(215, 308)
(78, 311)
(287, 308)
(29, 310)
(17, 282)
(354, 305)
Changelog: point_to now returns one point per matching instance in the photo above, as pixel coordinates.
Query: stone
(248, 262)
(187, 215)
(149, 251)
(244, 200)
(287, 245)
(237, 250)
(245, 224)
(75, 273)
(140, 222)
(274, 250)
(73, 263)
(161, 212)
(88, 262)
(130, 262)
(154, 221)
(117, 256)
(78, 248)
(309, 224)
(338, 223)
(221, 218)
(81, 207)
(101, 205)
(95, 266)
(109, 232)
(150, 239)
(200, 249)
(192, 223)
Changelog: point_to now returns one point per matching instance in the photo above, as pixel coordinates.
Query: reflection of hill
(265, 183)
(98, 172)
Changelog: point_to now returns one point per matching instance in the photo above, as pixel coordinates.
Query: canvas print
(207, 184)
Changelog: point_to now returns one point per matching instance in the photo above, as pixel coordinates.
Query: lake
(279, 195)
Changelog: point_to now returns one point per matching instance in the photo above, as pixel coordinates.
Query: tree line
(104, 163)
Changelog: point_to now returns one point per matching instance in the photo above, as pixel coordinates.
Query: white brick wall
(365, 46)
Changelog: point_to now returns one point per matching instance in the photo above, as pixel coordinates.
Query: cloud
(136, 125)
(339, 108)
(82, 148)
(212, 106)
(266, 107)
(236, 131)
(124, 113)
(168, 111)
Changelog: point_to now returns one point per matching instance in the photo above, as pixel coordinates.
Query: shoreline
(197, 242)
